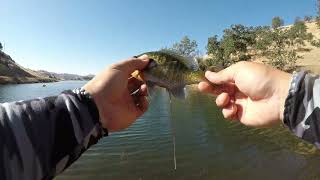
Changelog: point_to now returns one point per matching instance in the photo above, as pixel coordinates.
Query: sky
(84, 36)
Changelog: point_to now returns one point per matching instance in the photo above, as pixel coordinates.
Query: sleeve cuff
(92, 107)
(294, 99)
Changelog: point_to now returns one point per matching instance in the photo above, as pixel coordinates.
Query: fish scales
(171, 71)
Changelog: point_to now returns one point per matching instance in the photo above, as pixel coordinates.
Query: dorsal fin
(189, 61)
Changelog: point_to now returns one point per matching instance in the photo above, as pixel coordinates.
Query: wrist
(94, 92)
(85, 97)
(283, 91)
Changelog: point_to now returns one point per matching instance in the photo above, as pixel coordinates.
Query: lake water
(207, 146)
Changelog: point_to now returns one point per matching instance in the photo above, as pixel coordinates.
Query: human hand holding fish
(119, 97)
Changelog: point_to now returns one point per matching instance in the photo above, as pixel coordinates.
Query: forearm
(41, 137)
(302, 113)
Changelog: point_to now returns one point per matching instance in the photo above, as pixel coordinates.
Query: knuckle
(218, 102)
(114, 66)
(225, 115)
(242, 62)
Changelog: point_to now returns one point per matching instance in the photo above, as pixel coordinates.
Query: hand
(250, 92)
(112, 89)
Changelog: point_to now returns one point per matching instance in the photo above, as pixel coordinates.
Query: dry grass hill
(311, 58)
(11, 72)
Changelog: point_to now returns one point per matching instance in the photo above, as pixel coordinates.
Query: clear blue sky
(82, 37)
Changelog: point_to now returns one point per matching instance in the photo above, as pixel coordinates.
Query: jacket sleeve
(302, 107)
(41, 137)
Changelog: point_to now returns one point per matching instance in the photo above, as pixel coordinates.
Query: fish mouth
(138, 75)
(152, 63)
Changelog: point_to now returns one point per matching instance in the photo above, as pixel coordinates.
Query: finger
(143, 90)
(134, 84)
(207, 87)
(142, 106)
(223, 76)
(133, 64)
(223, 100)
(229, 111)
(234, 117)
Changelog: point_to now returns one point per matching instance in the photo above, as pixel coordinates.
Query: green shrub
(277, 22)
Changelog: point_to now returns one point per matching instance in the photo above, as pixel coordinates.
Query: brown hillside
(311, 59)
(11, 72)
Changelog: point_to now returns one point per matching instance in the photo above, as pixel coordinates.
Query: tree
(215, 53)
(1, 47)
(316, 43)
(213, 45)
(318, 21)
(233, 47)
(236, 42)
(277, 22)
(297, 19)
(283, 59)
(277, 52)
(297, 34)
(308, 18)
(280, 46)
(318, 8)
(263, 39)
(186, 47)
(318, 14)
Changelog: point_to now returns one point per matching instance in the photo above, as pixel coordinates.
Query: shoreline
(25, 80)
(5, 80)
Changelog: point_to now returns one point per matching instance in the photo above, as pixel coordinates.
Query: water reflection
(208, 147)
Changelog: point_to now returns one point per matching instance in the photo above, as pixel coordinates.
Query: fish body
(171, 71)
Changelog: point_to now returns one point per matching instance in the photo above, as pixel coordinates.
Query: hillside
(310, 54)
(311, 59)
(11, 72)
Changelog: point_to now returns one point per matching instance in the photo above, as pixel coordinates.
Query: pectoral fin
(179, 93)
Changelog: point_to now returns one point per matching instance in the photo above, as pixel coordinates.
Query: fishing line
(173, 133)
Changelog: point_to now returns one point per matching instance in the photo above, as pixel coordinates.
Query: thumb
(224, 76)
(133, 64)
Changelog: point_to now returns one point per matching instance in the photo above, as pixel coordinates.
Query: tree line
(276, 44)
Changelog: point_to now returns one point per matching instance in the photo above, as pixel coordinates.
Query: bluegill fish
(171, 71)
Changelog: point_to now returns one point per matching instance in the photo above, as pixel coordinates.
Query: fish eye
(152, 63)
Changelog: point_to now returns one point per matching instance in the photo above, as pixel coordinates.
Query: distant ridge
(66, 76)
(13, 73)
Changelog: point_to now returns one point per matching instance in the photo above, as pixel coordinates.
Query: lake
(207, 146)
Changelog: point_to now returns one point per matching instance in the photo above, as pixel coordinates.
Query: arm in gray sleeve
(302, 107)
(41, 137)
